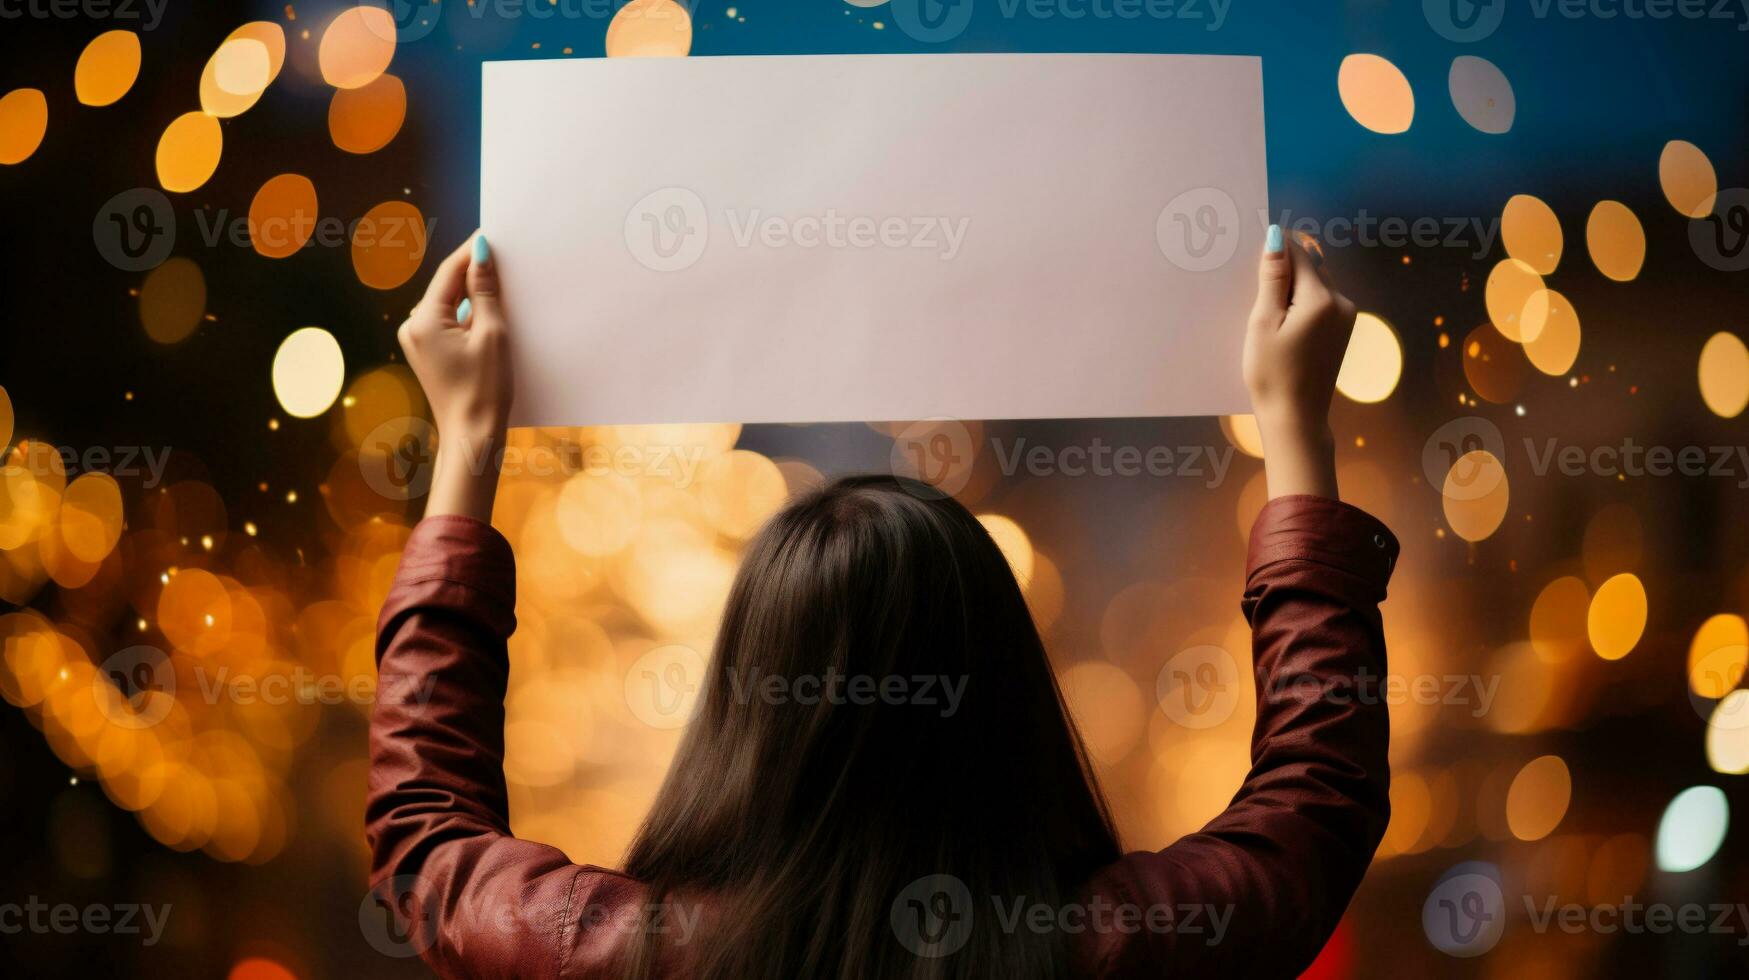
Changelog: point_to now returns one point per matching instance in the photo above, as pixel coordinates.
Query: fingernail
(461, 311)
(482, 251)
(1271, 243)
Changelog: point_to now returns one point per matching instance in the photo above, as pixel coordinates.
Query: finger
(483, 280)
(448, 282)
(1309, 287)
(1275, 279)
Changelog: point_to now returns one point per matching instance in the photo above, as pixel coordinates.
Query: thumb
(483, 279)
(1275, 277)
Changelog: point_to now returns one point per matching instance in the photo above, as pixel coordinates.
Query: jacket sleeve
(1270, 877)
(466, 895)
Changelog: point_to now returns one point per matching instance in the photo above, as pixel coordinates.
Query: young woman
(861, 837)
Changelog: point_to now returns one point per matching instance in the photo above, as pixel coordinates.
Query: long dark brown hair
(825, 832)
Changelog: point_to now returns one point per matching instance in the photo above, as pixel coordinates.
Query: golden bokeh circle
(1718, 655)
(1724, 375)
(388, 244)
(649, 29)
(282, 217)
(1616, 240)
(1554, 346)
(1373, 362)
(1532, 233)
(308, 371)
(1538, 799)
(365, 119)
(107, 68)
(173, 300)
(1376, 93)
(189, 152)
(1617, 618)
(24, 120)
(357, 46)
(1471, 516)
(1511, 284)
(1690, 184)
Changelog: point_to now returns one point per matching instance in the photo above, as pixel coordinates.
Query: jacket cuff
(458, 564)
(1330, 532)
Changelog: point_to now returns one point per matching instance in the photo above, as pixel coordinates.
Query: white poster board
(875, 237)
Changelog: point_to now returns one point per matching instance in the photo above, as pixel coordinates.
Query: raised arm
(449, 882)
(1266, 882)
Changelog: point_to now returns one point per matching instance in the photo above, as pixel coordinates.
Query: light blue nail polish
(461, 311)
(1272, 242)
(482, 251)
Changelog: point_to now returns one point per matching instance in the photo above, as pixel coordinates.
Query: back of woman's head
(879, 710)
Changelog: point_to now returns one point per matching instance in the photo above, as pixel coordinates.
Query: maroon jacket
(1270, 877)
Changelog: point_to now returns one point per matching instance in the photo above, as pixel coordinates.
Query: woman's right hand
(1294, 345)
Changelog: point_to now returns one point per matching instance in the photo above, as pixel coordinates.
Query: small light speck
(273, 425)
(74, 781)
(1519, 411)
(879, 26)
(249, 528)
(291, 496)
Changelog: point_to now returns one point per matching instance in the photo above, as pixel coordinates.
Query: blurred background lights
(1553, 332)
(365, 119)
(1493, 365)
(1513, 281)
(1376, 94)
(308, 371)
(649, 29)
(1724, 375)
(1692, 828)
(357, 46)
(1242, 432)
(1538, 798)
(107, 68)
(1373, 362)
(388, 244)
(1688, 179)
(188, 152)
(282, 217)
(1557, 619)
(24, 118)
(241, 69)
(1616, 240)
(1532, 235)
(173, 300)
(1617, 617)
(5, 419)
(1107, 705)
(1482, 94)
(1727, 734)
(1475, 495)
(1717, 655)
